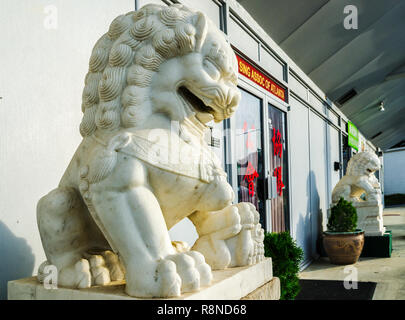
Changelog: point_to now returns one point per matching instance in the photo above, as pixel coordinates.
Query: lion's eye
(211, 69)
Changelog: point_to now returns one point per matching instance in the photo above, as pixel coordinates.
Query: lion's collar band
(204, 165)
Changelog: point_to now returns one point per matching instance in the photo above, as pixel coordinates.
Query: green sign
(353, 135)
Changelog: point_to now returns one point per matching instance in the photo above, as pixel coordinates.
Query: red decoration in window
(277, 144)
(280, 185)
(250, 176)
(249, 143)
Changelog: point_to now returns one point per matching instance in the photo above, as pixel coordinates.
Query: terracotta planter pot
(343, 247)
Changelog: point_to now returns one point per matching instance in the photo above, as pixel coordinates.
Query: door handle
(271, 187)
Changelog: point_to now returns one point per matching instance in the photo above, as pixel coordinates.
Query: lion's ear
(201, 30)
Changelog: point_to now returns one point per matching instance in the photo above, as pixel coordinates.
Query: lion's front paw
(374, 197)
(175, 274)
(247, 246)
(238, 241)
(192, 269)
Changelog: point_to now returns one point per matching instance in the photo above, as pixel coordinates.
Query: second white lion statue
(360, 180)
(133, 176)
(361, 187)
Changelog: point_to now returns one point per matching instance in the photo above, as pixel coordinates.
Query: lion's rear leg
(69, 238)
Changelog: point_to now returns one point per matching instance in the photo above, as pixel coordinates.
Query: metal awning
(360, 68)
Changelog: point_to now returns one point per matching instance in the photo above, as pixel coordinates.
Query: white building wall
(365, 145)
(46, 46)
(300, 178)
(318, 175)
(394, 171)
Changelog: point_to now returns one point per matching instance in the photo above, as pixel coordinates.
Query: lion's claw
(238, 244)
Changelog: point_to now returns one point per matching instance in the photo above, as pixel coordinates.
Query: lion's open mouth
(194, 101)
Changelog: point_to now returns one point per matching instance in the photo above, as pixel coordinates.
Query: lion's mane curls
(124, 60)
(359, 163)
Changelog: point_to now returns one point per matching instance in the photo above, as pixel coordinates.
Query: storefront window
(346, 153)
(249, 151)
(278, 169)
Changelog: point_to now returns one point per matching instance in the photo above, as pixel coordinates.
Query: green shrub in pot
(343, 217)
(343, 242)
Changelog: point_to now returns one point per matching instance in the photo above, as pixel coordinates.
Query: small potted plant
(342, 241)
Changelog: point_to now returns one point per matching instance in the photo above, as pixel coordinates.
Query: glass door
(346, 153)
(278, 169)
(249, 152)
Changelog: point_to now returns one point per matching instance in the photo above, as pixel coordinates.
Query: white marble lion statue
(155, 79)
(361, 187)
(359, 180)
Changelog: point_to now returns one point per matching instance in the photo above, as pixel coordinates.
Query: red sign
(259, 78)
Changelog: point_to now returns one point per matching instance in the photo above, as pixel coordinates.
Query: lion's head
(160, 59)
(363, 164)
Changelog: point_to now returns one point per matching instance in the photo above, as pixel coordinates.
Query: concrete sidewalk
(389, 273)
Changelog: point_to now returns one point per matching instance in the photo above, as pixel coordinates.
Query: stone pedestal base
(370, 219)
(252, 282)
(269, 291)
